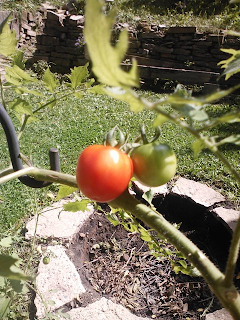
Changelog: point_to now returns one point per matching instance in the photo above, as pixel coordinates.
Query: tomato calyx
(143, 135)
(115, 138)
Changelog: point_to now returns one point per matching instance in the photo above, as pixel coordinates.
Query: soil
(118, 265)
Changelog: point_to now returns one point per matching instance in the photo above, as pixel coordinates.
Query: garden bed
(118, 265)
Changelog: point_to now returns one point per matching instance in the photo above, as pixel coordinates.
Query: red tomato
(103, 172)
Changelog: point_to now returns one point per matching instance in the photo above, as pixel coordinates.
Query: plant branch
(43, 175)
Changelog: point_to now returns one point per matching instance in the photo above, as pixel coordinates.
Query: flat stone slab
(103, 309)
(54, 222)
(57, 282)
(198, 192)
(219, 315)
(230, 216)
(156, 190)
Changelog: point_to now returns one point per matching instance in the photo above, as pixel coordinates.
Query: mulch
(118, 265)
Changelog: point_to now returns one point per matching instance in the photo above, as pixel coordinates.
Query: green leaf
(77, 205)
(105, 57)
(8, 268)
(17, 76)
(183, 263)
(148, 196)
(18, 59)
(78, 74)
(21, 106)
(229, 117)
(78, 95)
(136, 103)
(234, 139)
(50, 80)
(160, 119)
(8, 40)
(232, 68)
(6, 242)
(112, 217)
(65, 191)
(97, 89)
(2, 282)
(4, 306)
(231, 65)
(197, 146)
(145, 236)
(18, 286)
(22, 90)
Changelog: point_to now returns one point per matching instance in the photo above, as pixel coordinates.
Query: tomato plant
(154, 164)
(103, 172)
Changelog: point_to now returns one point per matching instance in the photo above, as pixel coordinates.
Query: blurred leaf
(78, 95)
(4, 306)
(97, 89)
(65, 191)
(105, 57)
(19, 286)
(229, 117)
(145, 236)
(160, 119)
(78, 74)
(183, 263)
(8, 40)
(26, 90)
(112, 217)
(148, 196)
(32, 119)
(17, 76)
(6, 242)
(18, 59)
(77, 205)
(231, 65)
(21, 106)
(234, 139)
(50, 80)
(129, 96)
(8, 268)
(197, 146)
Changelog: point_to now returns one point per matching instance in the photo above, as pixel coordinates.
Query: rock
(198, 192)
(138, 187)
(57, 282)
(229, 216)
(103, 309)
(54, 222)
(219, 315)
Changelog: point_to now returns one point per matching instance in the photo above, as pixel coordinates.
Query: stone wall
(175, 53)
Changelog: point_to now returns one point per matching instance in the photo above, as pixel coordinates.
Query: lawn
(74, 124)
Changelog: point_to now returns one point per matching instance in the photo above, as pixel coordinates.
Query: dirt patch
(119, 266)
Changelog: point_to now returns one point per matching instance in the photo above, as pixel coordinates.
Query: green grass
(73, 124)
(133, 11)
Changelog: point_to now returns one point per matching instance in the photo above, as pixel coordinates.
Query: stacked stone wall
(180, 53)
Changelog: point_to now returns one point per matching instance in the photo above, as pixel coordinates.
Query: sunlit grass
(74, 124)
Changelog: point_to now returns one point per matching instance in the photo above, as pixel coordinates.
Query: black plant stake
(14, 151)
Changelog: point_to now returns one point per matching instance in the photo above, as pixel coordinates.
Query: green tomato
(46, 260)
(153, 164)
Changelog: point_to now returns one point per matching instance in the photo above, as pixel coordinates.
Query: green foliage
(8, 41)
(106, 61)
(231, 65)
(79, 205)
(158, 246)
